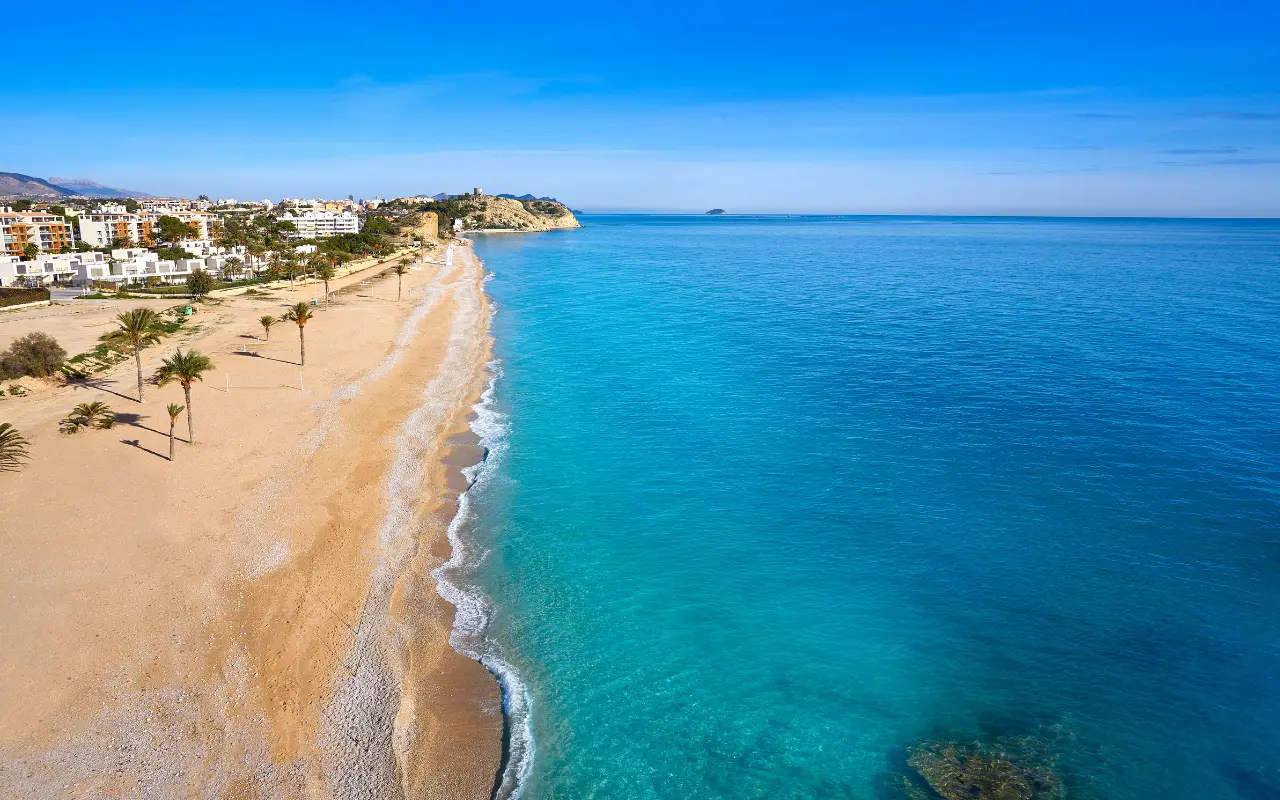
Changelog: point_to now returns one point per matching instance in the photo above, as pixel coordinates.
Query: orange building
(49, 233)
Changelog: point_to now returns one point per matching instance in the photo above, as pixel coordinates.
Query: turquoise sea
(771, 500)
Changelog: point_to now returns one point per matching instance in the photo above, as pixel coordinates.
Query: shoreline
(283, 634)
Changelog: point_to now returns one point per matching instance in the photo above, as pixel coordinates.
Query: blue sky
(1078, 108)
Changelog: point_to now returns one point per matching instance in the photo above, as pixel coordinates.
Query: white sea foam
(473, 605)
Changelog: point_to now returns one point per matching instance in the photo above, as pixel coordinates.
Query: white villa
(127, 265)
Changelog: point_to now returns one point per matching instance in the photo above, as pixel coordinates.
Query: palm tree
(266, 323)
(301, 314)
(138, 328)
(174, 411)
(13, 448)
(400, 269)
(325, 272)
(184, 368)
(255, 250)
(89, 415)
(276, 262)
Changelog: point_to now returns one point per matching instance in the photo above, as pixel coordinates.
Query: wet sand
(257, 618)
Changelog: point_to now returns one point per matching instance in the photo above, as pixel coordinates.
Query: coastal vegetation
(88, 415)
(14, 448)
(17, 296)
(36, 355)
(173, 230)
(174, 410)
(184, 369)
(200, 283)
(139, 327)
(115, 346)
(301, 314)
(266, 323)
(401, 267)
(173, 253)
(325, 268)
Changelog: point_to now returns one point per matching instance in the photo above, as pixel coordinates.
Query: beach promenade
(256, 618)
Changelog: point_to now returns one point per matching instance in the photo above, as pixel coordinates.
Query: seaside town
(115, 244)
(223, 361)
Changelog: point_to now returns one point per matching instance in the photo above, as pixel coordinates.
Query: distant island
(716, 211)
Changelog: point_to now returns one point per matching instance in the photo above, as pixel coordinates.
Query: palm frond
(183, 368)
(13, 448)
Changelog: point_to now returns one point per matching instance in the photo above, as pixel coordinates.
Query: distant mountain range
(15, 184)
(90, 188)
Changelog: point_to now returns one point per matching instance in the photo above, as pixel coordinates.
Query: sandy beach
(257, 618)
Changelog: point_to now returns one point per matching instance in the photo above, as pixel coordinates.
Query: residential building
(109, 223)
(317, 224)
(101, 228)
(49, 233)
(168, 205)
(62, 268)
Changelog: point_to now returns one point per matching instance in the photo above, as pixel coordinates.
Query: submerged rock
(1011, 770)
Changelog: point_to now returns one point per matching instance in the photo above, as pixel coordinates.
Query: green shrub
(16, 296)
(36, 354)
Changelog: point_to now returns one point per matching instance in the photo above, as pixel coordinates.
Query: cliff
(483, 212)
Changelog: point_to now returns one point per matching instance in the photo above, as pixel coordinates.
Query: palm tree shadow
(136, 421)
(100, 385)
(269, 358)
(136, 443)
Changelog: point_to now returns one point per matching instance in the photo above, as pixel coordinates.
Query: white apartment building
(48, 232)
(317, 224)
(109, 223)
(168, 205)
(102, 227)
(43, 270)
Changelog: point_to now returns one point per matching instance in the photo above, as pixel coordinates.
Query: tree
(276, 262)
(400, 269)
(37, 354)
(325, 272)
(255, 250)
(121, 243)
(88, 415)
(234, 266)
(138, 328)
(13, 448)
(174, 253)
(173, 230)
(131, 205)
(301, 314)
(30, 251)
(200, 283)
(175, 411)
(184, 369)
(266, 323)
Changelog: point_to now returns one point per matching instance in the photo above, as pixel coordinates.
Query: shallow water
(780, 497)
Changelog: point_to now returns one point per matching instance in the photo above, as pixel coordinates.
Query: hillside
(90, 188)
(15, 184)
(486, 212)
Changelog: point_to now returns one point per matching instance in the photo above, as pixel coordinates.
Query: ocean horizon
(892, 216)
(773, 501)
